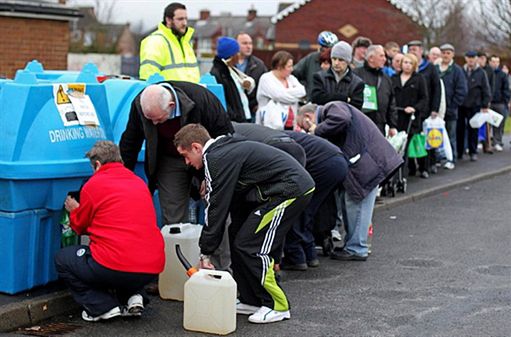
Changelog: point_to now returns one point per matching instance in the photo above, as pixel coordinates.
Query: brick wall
(376, 19)
(23, 40)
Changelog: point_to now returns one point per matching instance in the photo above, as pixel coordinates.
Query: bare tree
(105, 10)
(441, 21)
(494, 23)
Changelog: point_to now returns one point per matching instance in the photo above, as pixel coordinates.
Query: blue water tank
(41, 159)
(217, 89)
(28, 243)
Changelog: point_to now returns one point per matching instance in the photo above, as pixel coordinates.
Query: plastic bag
(417, 146)
(494, 118)
(439, 124)
(398, 141)
(272, 115)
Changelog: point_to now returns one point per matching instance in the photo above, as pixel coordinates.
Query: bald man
(156, 116)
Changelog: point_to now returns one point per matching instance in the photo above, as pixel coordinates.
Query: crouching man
(126, 247)
(265, 190)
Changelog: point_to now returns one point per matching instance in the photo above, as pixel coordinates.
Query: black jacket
(272, 137)
(386, 113)
(500, 87)
(318, 152)
(255, 69)
(432, 79)
(478, 89)
(415, 94)
(232, 95)
(373, 158)
(326, 89)
(237, 170)
(198, 105)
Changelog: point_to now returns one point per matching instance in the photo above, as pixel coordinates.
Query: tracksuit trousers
(257, 234)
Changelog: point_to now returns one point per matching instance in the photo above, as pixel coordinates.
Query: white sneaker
(498, 148)
(114, 312)
(449, 166)
(336, 236)
(135, 306)
(245, 309)
(267, 315)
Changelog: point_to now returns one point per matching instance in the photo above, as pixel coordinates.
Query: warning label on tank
(74, 106)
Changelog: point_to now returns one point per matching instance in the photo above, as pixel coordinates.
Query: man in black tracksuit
(265, 190)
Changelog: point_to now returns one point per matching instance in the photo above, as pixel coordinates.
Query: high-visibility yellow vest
(162, 53)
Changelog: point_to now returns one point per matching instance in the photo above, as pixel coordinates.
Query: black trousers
(463, 127)
(256, 236)
(300, 244)
(98, 289)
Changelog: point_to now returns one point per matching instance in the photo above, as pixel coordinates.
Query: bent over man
(265, 190)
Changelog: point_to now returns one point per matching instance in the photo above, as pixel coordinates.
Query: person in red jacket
(126, 249)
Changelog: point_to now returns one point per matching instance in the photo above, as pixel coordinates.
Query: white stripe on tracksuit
(268, 239)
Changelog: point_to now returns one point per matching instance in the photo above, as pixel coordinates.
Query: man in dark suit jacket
(156, 116)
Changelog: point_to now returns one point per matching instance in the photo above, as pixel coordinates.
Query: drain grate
(52, 329)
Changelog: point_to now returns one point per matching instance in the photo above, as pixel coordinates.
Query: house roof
(231, 25)
(38, 10)
(291, 8)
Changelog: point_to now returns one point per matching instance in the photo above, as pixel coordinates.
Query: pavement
(32, 307)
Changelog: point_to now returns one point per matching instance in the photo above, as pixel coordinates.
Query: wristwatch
(203, 257)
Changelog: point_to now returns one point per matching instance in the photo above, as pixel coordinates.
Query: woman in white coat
(278, 94)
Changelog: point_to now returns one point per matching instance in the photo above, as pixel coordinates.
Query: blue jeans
(450, 126)
(357, 217)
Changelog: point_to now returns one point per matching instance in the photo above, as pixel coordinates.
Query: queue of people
(271, 180)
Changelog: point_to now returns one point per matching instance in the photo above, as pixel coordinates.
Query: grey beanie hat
(342, 50)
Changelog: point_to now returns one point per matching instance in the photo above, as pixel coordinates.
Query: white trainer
(135, 306)
(245, 309)
(336, 236)
(498, 148)
(267, 315)
(449, 166)
(114, 312)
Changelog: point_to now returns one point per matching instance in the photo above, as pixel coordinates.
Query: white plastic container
(210, 302)
(172, 280)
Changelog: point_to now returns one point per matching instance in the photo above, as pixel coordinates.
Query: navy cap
(471, 53)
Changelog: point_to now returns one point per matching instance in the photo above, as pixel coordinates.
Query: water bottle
(369, 238)
(68, 237)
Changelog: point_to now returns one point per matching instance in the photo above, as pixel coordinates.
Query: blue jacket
(371, 158)
(455, 90)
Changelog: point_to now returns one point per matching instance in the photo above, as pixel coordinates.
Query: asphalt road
(441, 266)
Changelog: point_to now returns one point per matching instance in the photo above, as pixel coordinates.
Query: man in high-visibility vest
(168, 51)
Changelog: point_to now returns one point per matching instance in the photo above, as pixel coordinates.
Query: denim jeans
(357, 217)
(450, 126)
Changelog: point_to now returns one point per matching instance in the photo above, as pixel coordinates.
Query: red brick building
(34, 30)
(298, 25)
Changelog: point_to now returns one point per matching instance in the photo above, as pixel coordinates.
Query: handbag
(273, 115)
